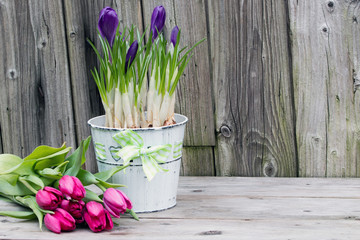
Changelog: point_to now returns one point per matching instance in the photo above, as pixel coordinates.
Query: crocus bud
(49, 198)
(71, 187)
(107, 24)
(157, 21)
(75, 208)
(97, 217)
(116, 202)
(174, 34)
(131, 54)
(61, 220)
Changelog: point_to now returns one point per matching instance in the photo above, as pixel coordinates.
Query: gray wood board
(197, 161)
(325, 50)
(252, 83)
(36, 101)
(226, 208)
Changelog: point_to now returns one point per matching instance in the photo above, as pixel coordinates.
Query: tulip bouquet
(50, 184)
(125, 63)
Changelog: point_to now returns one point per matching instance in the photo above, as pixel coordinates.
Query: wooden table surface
(232, 208)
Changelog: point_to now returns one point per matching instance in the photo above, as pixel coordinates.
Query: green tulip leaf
(105, 175)
(48, 181)
(86, 177)
(133, 214)
(43, 152)
(9, 163)
(91, 196)
(30, 202)
(110, 185)
(10, 178)
(62, 167)
(52, 160)
(26, 168)
(50, 173)
(19, 214)
(77, 158)
(18, 190)
(33, 179)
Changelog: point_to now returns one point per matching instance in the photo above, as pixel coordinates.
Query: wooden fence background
(274, 91)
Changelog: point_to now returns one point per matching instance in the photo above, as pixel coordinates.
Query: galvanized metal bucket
(146, 196)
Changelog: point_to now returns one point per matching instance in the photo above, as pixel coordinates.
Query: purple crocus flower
(130, 55)
(174, 34)
(107, 24)
(157, 21)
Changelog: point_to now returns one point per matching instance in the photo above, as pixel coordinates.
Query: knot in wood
(330, 5)
(72, 34)
(12, 74)
(225, 131)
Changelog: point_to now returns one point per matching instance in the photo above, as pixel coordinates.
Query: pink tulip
(49, 198)
(116, 202)
(75, 208)
(61, 220)
(71, 187)
(97, 217)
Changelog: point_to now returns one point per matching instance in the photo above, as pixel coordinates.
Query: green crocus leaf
(110, 185)
(77, 158)
(105, 175)
(91, 196)
(86, 177)
(9, 163)
(19, 214)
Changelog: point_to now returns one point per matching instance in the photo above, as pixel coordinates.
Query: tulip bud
(49, 198)
(97, 217)
(74, 208)
(61, 220)
(174, 34)
(107, 24)
(157, 21)
(71, 187)
(116, 202)
(131, 54)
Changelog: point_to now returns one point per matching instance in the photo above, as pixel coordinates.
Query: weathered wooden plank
(194, 93)
(226, 208)
(197, 161)
(325, 68)
(79, 27)
(252, 82)
(36, 103)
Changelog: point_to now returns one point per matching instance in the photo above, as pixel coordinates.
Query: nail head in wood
(225, 131)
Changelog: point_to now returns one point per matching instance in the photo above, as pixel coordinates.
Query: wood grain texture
(325, 50)
(252, 85)
(226, 208)
(194, 92)
(197, 161)
(36, 103)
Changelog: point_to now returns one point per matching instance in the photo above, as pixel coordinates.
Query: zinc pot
(146, 196)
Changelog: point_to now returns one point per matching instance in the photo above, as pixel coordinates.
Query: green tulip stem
(101, 187)
(26, 184)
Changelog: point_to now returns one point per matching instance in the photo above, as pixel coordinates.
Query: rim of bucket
(137, 129)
